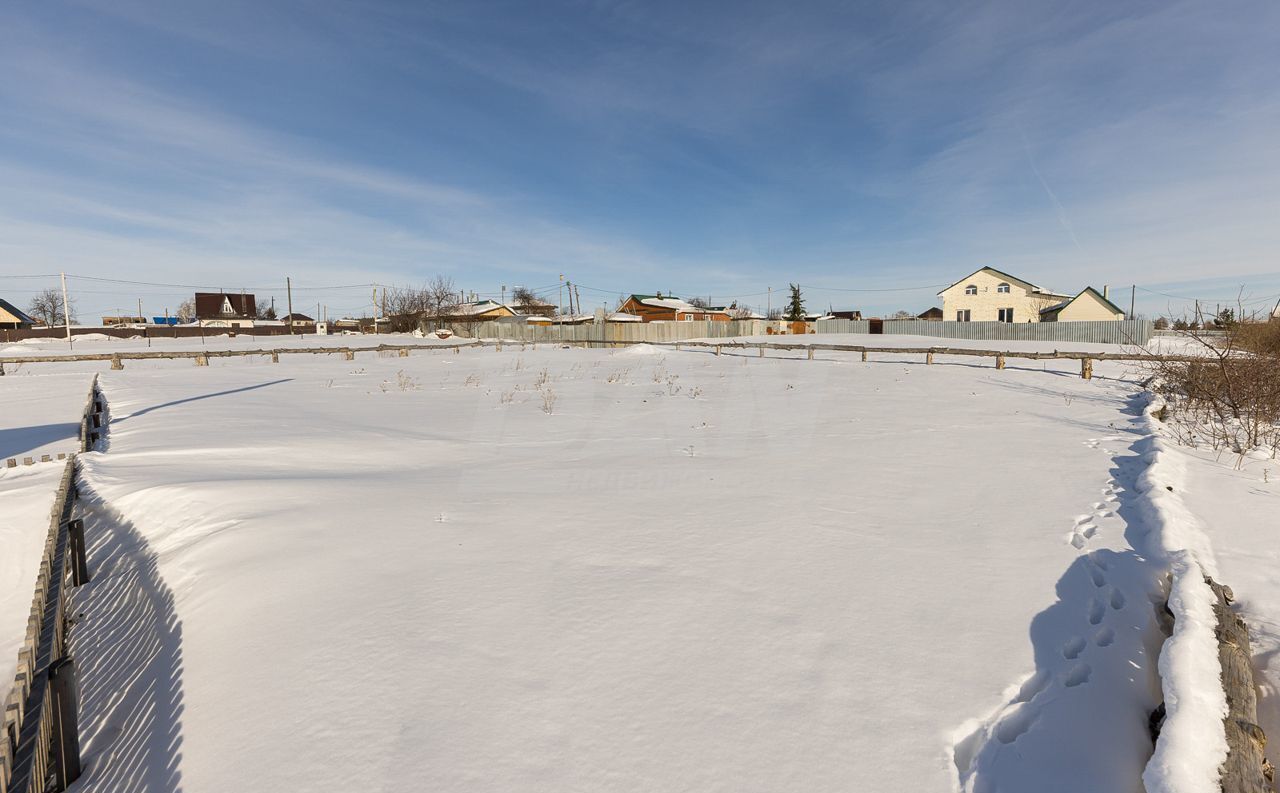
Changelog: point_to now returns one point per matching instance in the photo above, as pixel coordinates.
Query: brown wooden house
(656, 308)
(225, 306)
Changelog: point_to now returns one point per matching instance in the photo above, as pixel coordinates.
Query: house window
(963, 315)
(971, 290)
(1003, 288)
(1006, 315)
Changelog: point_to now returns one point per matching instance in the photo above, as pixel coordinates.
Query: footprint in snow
(1077, 675)
(1097, 576)
(1117, 599)
(1096, 611)
(1074, 646)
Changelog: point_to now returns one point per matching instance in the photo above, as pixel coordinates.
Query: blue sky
(700, 148)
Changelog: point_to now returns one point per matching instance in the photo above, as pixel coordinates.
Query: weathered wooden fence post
(1086, 368)
(350, 355)
(66, 731)
(761, 348)
(718, 348)
(116, 363)
(864, 356)
(928, 357)
(999, 361)
(79, 555)
(811, 352)
(275, 357)
(1244, 770)
(202, 360)
(404, 352)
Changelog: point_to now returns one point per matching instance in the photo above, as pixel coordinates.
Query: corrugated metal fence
(612, 331)
(1128, 332)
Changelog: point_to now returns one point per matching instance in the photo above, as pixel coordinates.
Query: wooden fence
(40, 748)
(1000, 357)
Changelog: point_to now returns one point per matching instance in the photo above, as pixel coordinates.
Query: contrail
(1062, 212)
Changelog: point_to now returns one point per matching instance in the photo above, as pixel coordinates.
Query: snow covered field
(637, 569)
(692, 573)
(38, 416)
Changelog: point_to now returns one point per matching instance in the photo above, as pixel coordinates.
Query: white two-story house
(989, 295)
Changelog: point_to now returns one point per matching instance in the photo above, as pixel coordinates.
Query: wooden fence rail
(40, 749)
(1000, 357)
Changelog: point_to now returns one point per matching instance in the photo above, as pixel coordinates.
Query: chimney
(1106, 291)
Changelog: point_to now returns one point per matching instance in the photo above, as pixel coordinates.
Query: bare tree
(697, 302)
(48, 307)
(526, 301)
(412, 307)
(902, 314)
(263, 308)
(187, 310)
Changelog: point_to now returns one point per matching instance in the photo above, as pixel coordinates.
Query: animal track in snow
(1095, 573)
(1074, 646)
(1076, 675)
(1096, 611)
(1117, 599)
(1077, 540)
(1104, 637)
(1088, 530)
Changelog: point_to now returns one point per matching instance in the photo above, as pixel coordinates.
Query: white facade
(989, 295)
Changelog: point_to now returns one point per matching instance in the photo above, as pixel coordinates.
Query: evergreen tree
(795, 309)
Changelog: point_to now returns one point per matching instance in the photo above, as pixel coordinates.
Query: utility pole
(504, 294)
(288, 286)
(1133, 294)
(561, 309)
(375, 311)
(768, 313)
(66, 309)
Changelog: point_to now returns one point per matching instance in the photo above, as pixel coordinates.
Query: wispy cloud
(724, 146)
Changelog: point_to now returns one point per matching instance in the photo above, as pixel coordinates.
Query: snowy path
(694, 573)
(1079, 722)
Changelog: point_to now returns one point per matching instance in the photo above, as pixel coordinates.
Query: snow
(26, 499)
(1238, 501)
(1192, 744)
(693, 573)
(38, 416)
(41, 415)
(680, 571)
(100, 343)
